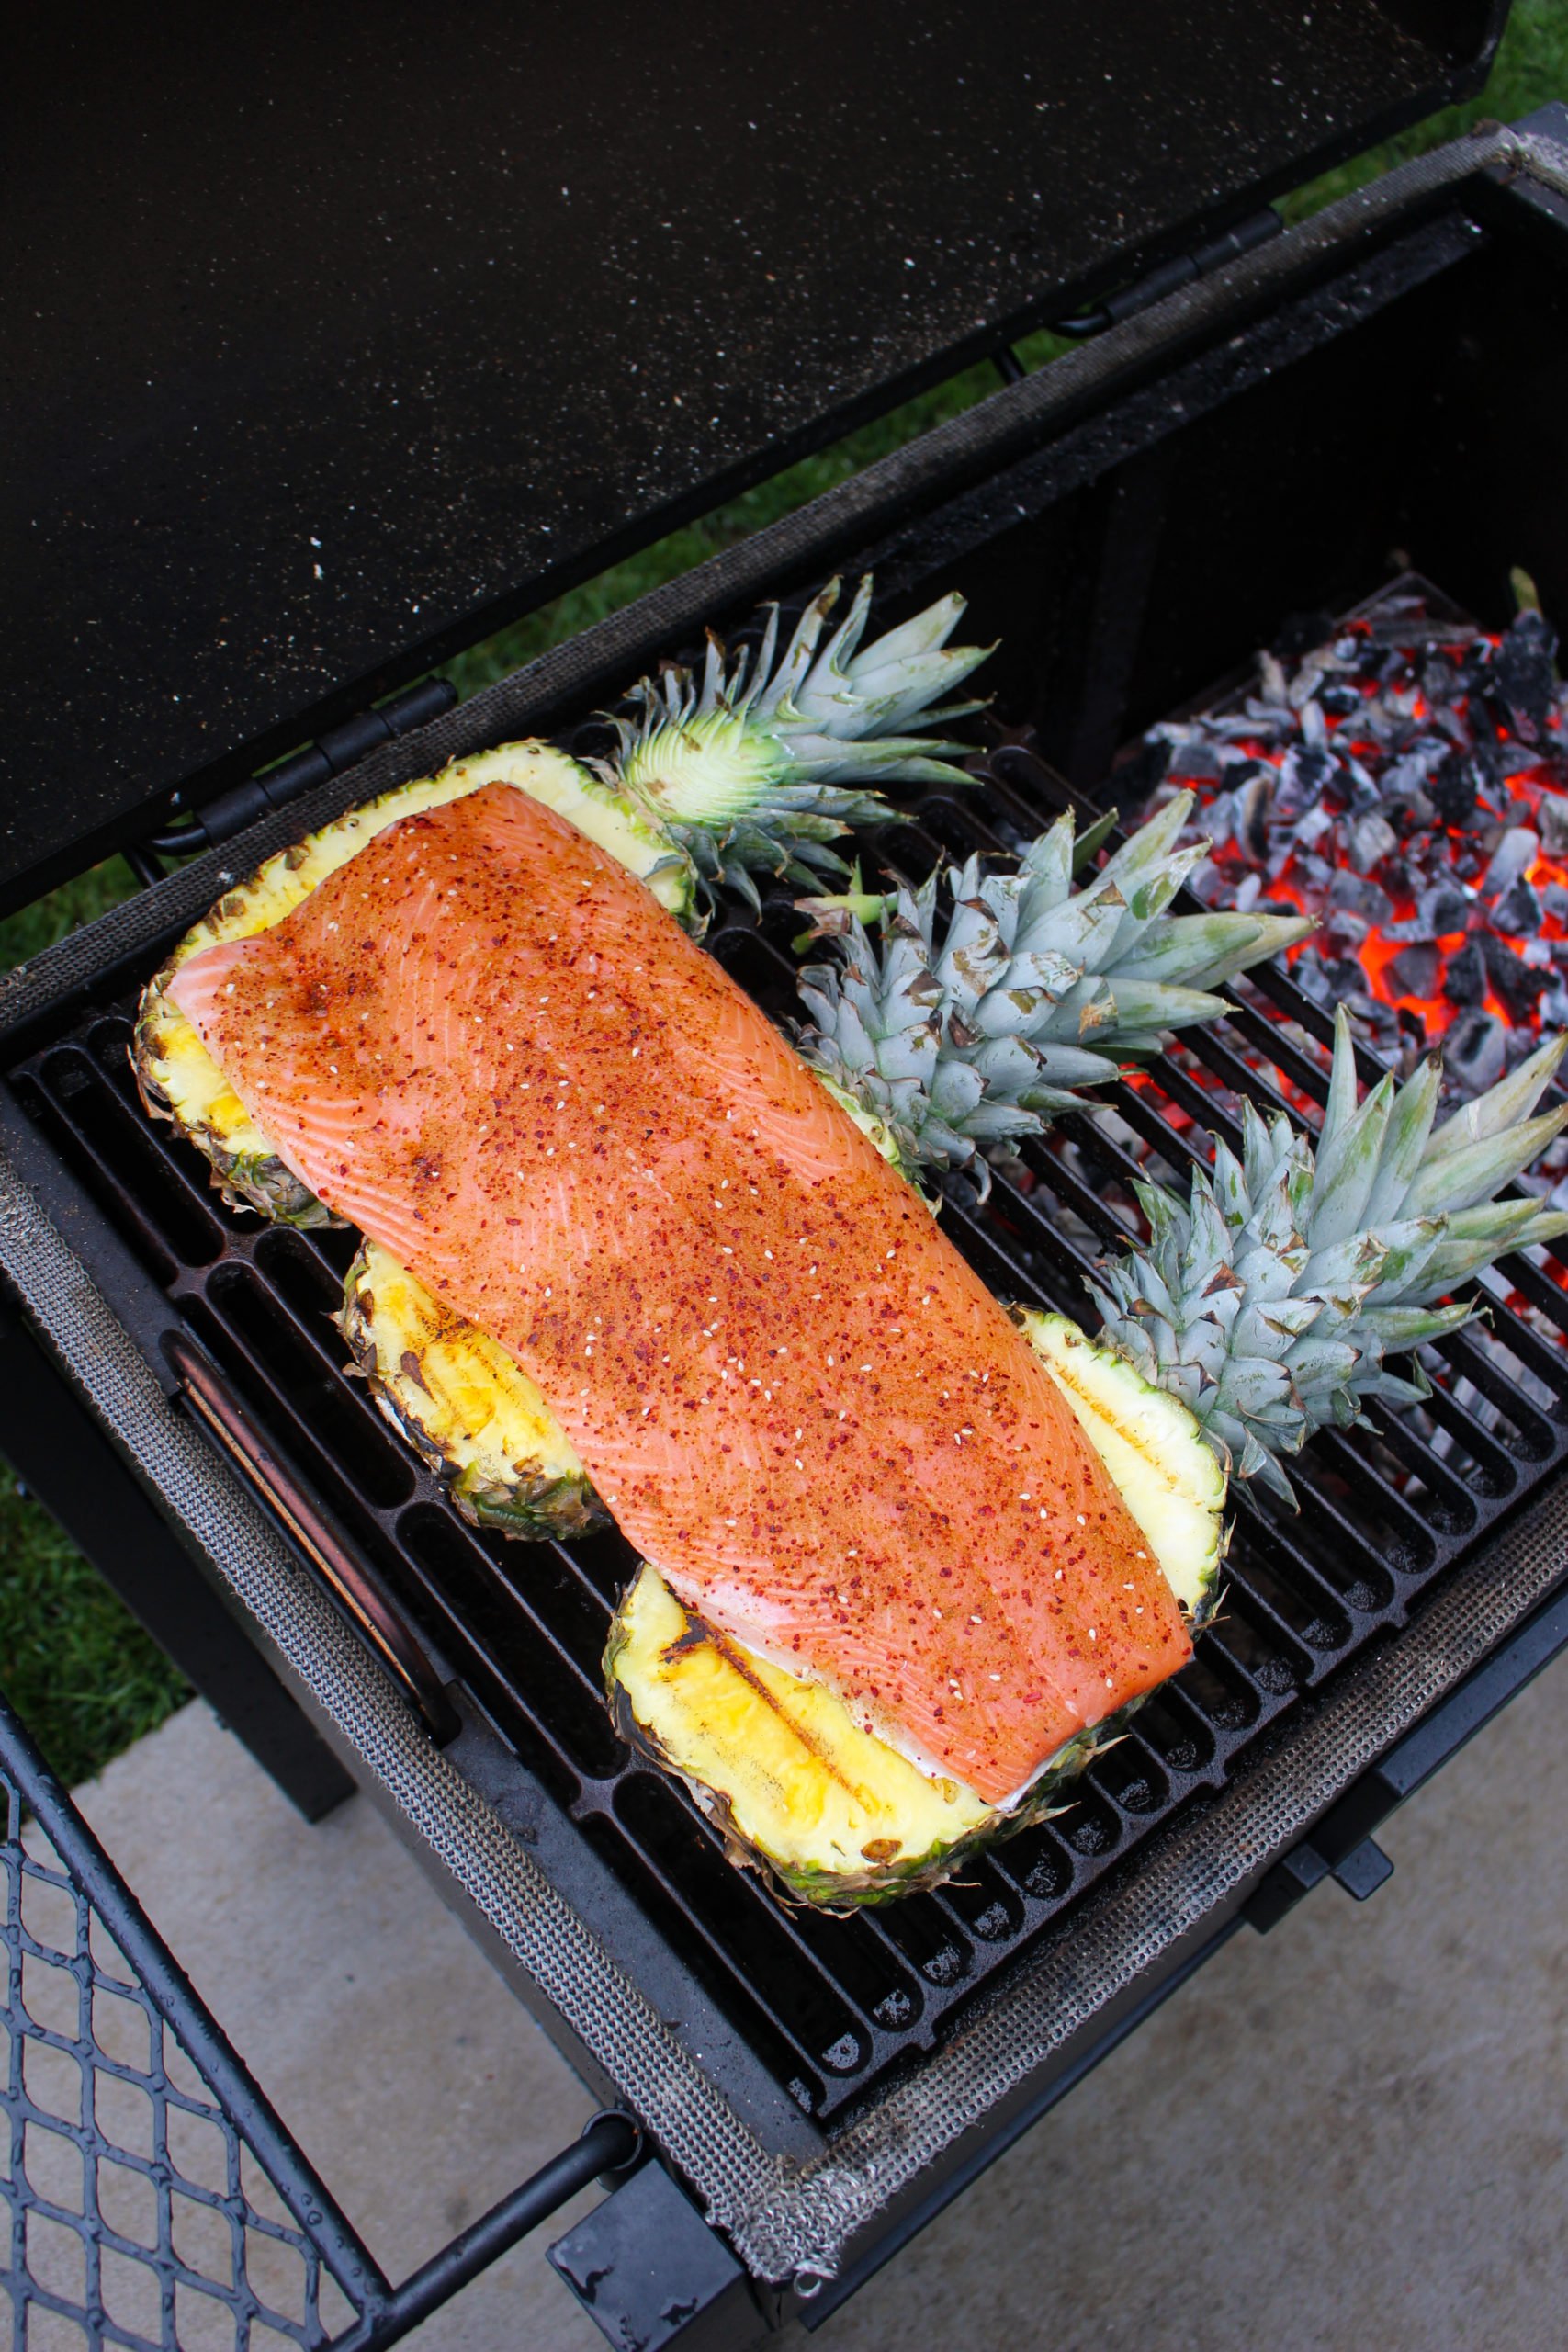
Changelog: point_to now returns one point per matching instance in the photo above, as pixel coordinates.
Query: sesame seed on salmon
(488, 1046)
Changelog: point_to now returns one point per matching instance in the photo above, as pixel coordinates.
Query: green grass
(83, 1674)
(76, 1666)
(62, 911)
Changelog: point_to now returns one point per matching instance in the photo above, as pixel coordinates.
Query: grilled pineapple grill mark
(465, 1405)
(796, 1786)
(777, 1762)
(838, 1817)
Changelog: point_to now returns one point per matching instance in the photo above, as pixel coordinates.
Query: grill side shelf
(67, 1913)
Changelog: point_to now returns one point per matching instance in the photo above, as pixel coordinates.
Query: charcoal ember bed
(833, 2005)
(1404, 781)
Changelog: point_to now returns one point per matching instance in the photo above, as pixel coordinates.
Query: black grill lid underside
(336, 337)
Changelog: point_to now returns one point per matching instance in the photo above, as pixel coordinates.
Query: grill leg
(646, 2267)
(59, 1450)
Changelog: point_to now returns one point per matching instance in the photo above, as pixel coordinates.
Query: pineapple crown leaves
(967, 1011)
(1270, 1301)
(758, 765)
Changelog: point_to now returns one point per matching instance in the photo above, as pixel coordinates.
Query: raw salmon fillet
(486, 1045)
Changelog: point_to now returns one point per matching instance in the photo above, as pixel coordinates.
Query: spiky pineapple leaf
(757, 764)
(977, 1007)
(1270, 1298)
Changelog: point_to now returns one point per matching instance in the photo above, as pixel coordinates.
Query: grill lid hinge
(1182, 270)
(340, 747)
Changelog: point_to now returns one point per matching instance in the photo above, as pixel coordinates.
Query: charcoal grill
(1264, 439)
(832, 2007)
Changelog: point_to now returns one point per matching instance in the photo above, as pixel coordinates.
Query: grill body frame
(1040, 447)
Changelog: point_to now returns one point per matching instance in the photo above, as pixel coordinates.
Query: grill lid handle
(329, 1552)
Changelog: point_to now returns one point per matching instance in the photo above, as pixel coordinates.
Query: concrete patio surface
(1353, 2132)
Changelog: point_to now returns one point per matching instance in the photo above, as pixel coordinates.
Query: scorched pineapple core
(791, 1392)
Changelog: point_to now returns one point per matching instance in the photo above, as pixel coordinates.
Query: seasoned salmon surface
(489, 1047)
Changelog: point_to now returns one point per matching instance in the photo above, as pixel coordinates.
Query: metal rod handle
(611, 2142)
(329, 1552)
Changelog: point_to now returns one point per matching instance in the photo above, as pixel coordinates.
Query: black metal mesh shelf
(152, 2198)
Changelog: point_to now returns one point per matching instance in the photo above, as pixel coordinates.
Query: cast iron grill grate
(833, 2005)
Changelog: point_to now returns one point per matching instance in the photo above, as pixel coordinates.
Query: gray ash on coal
(1407, 782)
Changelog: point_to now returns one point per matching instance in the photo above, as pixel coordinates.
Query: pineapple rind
(178, 1079)
(469, 1412)
(1165, 1471)
(786, 1774)
(788, 1767)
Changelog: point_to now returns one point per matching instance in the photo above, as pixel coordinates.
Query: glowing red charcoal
(1407, 785)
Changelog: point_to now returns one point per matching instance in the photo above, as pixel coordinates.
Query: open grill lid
(333, 342)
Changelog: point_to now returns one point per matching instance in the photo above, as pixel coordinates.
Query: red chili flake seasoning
(421, 1123)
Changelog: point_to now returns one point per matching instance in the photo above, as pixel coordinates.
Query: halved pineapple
(799, 1789)
(179, 1078)
(464, 1405)
(838, 1816)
